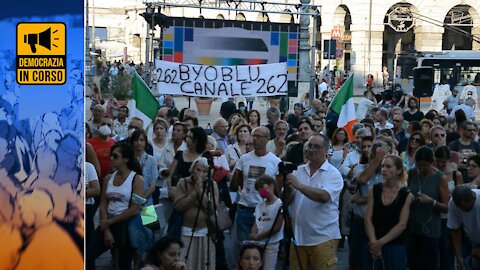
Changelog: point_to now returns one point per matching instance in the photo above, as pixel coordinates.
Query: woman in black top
(196, 141)
(387, 215)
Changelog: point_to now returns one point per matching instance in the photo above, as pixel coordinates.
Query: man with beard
(466, 147)
(413, 112)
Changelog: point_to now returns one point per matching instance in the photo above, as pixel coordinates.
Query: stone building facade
(370, 34)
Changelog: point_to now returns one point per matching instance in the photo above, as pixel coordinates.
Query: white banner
(221, 81)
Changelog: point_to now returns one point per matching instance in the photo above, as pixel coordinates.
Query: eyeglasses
(472, 165)
(314, 146)
(397, 121)
(114, 155)
(440, 135)
(415, 140)
(470, 129)
(106, 124)
(249, 144)
(343, 134)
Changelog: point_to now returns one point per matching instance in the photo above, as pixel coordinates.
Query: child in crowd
(268, 226)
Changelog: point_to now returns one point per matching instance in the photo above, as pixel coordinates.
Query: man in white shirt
(323, 87)
(464, 209)
(365, 104)
(382, 123)
(314, 193)
(248, 169)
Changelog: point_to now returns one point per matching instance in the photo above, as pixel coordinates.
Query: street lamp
(148, 15)
(312, 54)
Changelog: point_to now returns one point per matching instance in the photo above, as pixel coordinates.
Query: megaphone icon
(43, 39)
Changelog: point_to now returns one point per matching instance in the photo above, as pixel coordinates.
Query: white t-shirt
(323, 87)
(363, 107)
(157, 151)
(252, 168)
(470, 220)
(90, 175)
(265, 218)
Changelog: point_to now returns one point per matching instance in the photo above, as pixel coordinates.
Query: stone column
(304, 50)
(363, 61)
(428, 38)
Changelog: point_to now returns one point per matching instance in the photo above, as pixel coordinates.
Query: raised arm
(314, 194)
(372, 167)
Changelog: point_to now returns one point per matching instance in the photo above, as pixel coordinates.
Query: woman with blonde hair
(234, 121)
(388, 209)
(236, 150)
(195, 209)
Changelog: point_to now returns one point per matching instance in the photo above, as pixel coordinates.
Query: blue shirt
(150, 173)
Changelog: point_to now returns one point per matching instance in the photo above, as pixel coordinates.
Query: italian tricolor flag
(343, 105)
(144, 103)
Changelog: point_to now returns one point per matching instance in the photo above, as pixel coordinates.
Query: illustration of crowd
(41, 187)
(402, 192)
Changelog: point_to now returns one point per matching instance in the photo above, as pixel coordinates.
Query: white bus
(457, 68)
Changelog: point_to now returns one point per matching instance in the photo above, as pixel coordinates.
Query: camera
(286, 167)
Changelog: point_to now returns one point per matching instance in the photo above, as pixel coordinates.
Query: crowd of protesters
(403, 190)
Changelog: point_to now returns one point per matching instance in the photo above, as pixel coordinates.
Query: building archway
(398, 53)
(240, 17)
(459, 19)
(342, 20)
(263, 17)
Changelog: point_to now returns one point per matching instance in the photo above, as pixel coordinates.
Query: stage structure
(227, 42)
